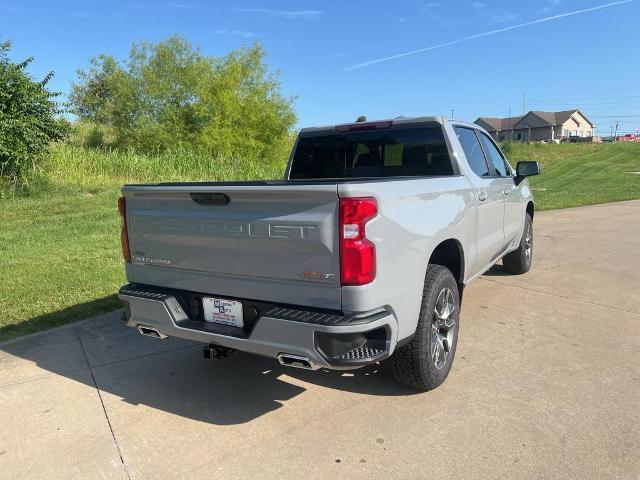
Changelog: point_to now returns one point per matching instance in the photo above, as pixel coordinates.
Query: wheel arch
(530, 209)
(450, 253)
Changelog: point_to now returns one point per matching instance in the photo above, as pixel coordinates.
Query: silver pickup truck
(360, 254)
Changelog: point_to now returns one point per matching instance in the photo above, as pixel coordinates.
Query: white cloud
(82, 14)
(426, 6)
(551, 6)
(477, 5)
(238, 33)
(505, 17)
(289, 14)
(486, 34)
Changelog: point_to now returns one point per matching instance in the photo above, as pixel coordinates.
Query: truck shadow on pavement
(497, 271)
(171, 375)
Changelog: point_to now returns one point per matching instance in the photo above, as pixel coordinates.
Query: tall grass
(72, 166)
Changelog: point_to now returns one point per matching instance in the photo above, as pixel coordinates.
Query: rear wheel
(426, 360)
(519, 261)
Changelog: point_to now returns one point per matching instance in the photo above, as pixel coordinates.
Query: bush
(29, 119)
(507, 148)
(169, 95)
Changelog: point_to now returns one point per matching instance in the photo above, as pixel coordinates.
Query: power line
(585, 98)
(588, 104)
(598, 108)
(487, 107)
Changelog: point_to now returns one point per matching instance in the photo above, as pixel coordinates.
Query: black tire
(519, 261)
(413, 364)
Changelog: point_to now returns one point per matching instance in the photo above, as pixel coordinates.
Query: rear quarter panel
(414, 216)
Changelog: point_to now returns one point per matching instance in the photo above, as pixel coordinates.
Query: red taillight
(357, 253)
(124, 235)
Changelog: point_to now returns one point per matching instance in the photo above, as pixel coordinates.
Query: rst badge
(317, 275)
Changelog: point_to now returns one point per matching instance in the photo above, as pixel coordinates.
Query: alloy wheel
(443, 328)
(528, 243)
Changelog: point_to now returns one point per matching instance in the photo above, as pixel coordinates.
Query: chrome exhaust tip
(151, 332)
(296, 361)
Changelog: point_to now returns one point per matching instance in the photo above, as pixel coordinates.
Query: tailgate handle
(209, 198)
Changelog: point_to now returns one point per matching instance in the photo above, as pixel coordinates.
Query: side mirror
(528, 169)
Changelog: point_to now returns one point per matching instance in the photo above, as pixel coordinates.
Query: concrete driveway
(546, 384)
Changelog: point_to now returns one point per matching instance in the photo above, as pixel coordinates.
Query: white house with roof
(537, 126)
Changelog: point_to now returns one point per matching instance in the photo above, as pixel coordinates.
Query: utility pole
(523, 104)
(510, 125)
(615, 132)
(452, 113)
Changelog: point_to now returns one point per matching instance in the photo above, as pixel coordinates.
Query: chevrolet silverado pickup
(360, 254)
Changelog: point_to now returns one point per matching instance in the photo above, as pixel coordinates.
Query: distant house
(537, 126)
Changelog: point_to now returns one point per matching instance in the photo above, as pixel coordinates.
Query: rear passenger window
(494, 154)
(473, 151)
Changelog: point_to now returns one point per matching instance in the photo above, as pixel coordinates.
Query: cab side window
(498, 161)
(473, 151)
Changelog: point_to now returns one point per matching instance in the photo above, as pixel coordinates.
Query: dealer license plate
(220, 310)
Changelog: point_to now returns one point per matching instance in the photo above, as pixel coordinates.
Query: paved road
(546, 384)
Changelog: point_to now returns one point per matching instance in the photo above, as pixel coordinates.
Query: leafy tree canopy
(169, 95)
(29, 118)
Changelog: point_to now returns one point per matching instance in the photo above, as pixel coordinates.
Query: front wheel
(425, 361)
(519, 261)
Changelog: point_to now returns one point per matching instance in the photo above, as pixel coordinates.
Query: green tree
(169, 94)
(29, 118)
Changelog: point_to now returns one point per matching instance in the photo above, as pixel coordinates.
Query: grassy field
(60, 241)
(581, 174)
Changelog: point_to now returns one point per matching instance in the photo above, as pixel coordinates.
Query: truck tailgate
(274, 242)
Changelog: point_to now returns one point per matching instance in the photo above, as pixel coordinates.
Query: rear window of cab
(392, 152)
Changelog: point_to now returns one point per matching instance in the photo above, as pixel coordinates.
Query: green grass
(581, 174)
(60, 260)
(59, 239)
(60, 254)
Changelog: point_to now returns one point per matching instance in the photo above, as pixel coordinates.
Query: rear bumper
(327, 340)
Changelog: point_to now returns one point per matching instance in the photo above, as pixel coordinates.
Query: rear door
(264, 242)
(489, 199)
(513, 211)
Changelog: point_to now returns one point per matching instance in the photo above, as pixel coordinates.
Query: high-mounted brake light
(124, 234)
(357, 253)
(354, 127)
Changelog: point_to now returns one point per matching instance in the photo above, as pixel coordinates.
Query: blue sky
(475, 57)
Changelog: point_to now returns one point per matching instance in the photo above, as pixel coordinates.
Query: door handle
(506, 193)
(482, 196)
